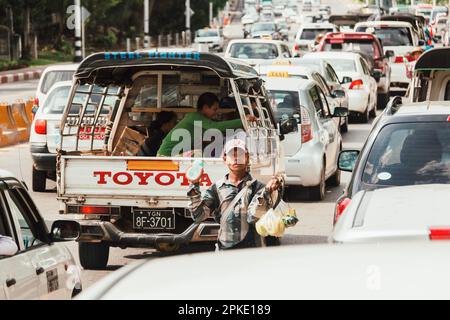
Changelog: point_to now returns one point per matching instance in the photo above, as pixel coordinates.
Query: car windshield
(286, 104)
(410, 154)
(391, 36)
(254, 51)
(263, 27)
(53, 77)
(366, 47)
(342, 65)
(311, 34)
(206, 33)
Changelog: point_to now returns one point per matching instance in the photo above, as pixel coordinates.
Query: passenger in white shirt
(7, 246)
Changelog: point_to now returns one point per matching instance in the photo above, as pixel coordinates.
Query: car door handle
(10, 282)
(40, 271)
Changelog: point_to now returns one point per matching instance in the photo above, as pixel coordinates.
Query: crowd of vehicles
(90, 118)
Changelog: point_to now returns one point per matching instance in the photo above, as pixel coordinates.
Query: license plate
(154, 219)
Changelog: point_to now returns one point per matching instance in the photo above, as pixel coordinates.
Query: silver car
(312, 150)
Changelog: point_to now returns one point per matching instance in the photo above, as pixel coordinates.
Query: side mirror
(339, 93)
(346, 80)
(422, 43)
(340, 112)
(34, 109)
(288, 126)
(65, 230)
(389, 54)
(376, 74)
(347, 160)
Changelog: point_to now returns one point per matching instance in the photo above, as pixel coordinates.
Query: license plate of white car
(146, 219)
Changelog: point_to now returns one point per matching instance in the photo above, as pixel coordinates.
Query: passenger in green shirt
(207, 108)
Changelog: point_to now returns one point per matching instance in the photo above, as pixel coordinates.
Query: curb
(15, 77)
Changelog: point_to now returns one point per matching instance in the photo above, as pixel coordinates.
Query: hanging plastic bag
(288, 214)
(270, 224)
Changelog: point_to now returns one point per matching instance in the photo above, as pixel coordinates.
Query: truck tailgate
(127, 177)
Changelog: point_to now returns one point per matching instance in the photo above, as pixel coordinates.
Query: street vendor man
(236, 202)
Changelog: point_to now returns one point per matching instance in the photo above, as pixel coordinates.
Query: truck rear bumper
(103, 231)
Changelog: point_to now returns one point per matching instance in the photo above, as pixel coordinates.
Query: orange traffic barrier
(21, 121)
(29, 110)
(8, 131)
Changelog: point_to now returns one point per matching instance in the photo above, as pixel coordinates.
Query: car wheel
(364, 117)
(93, 256)
(39, 179)
(317, 193)
(382, 101)
(373, 112)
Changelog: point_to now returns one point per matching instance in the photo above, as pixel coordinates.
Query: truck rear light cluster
(439, 234)
(93, 210)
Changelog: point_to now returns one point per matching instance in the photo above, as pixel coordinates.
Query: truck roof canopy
(117, 67)
(434, 59)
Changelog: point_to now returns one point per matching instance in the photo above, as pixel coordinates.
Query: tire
(93, 256)
(382, 100)
(364, 117)
(317, 193)
(39, 179)
(373, 112)
(344, 127)
(335, 179)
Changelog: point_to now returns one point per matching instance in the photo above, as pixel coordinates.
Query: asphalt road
(24, 90)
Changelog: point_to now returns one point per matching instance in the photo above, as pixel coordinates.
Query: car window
(286, 104)
(342, 65)
(311, 34)
(326, 111)
(17, 208)
(391, 36)
(322, 84)
(334, 77)
(206, 33)
(52, 77)
(285, 52)
(364, 67)
(317, 102)
(409, 154)
(254, 51)
(366, 47)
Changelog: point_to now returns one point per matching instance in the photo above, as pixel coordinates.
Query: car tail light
(40, 126)
(296, 47)
(94, 210)
(399, 59)
(36, 102)
(306, 127)
(356, 85)
(340, 208)
(439, 234)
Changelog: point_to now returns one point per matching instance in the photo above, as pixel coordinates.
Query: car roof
(391, 210)
(291, 69)
(318, 25)
(255, 41)
(424, 108)
(288, 272)
(62, 67)
(384, 23)
(289, 84)
(332, 55)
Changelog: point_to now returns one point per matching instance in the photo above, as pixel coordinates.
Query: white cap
(235, 143)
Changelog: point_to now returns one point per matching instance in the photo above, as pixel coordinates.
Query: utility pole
(188, 22)
(78, 45)
(210, 13)
(146, 24)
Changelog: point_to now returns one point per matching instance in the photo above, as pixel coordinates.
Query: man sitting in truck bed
(207, 109)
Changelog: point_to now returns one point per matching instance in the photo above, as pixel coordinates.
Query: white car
(312, 150)
(257, 51)
(400, 38)
(211, 37)
(356, 77)
(40, 269)
(306, 36)
(397, 213)
(408, 270)
(335, 98)
(50, 76)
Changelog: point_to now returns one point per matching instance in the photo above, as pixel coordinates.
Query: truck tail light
(356, 85)
(399, 59)
(306, 126)
(94, 210)
(439, 234)
(40, 126)
(340, 208)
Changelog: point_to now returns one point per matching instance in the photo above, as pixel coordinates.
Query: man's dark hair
(162, 118)
(208, 99)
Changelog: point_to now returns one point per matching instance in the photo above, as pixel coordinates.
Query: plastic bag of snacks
(275, 221)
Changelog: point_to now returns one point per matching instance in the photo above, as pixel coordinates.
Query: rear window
(342, 65)
(410, 154)
(52, 77)
(391, 36)
(56, 101)
(367, 47)
(254, 51)
(286, 104)
(311, 34)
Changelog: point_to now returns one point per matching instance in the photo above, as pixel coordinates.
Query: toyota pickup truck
(131, 201)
